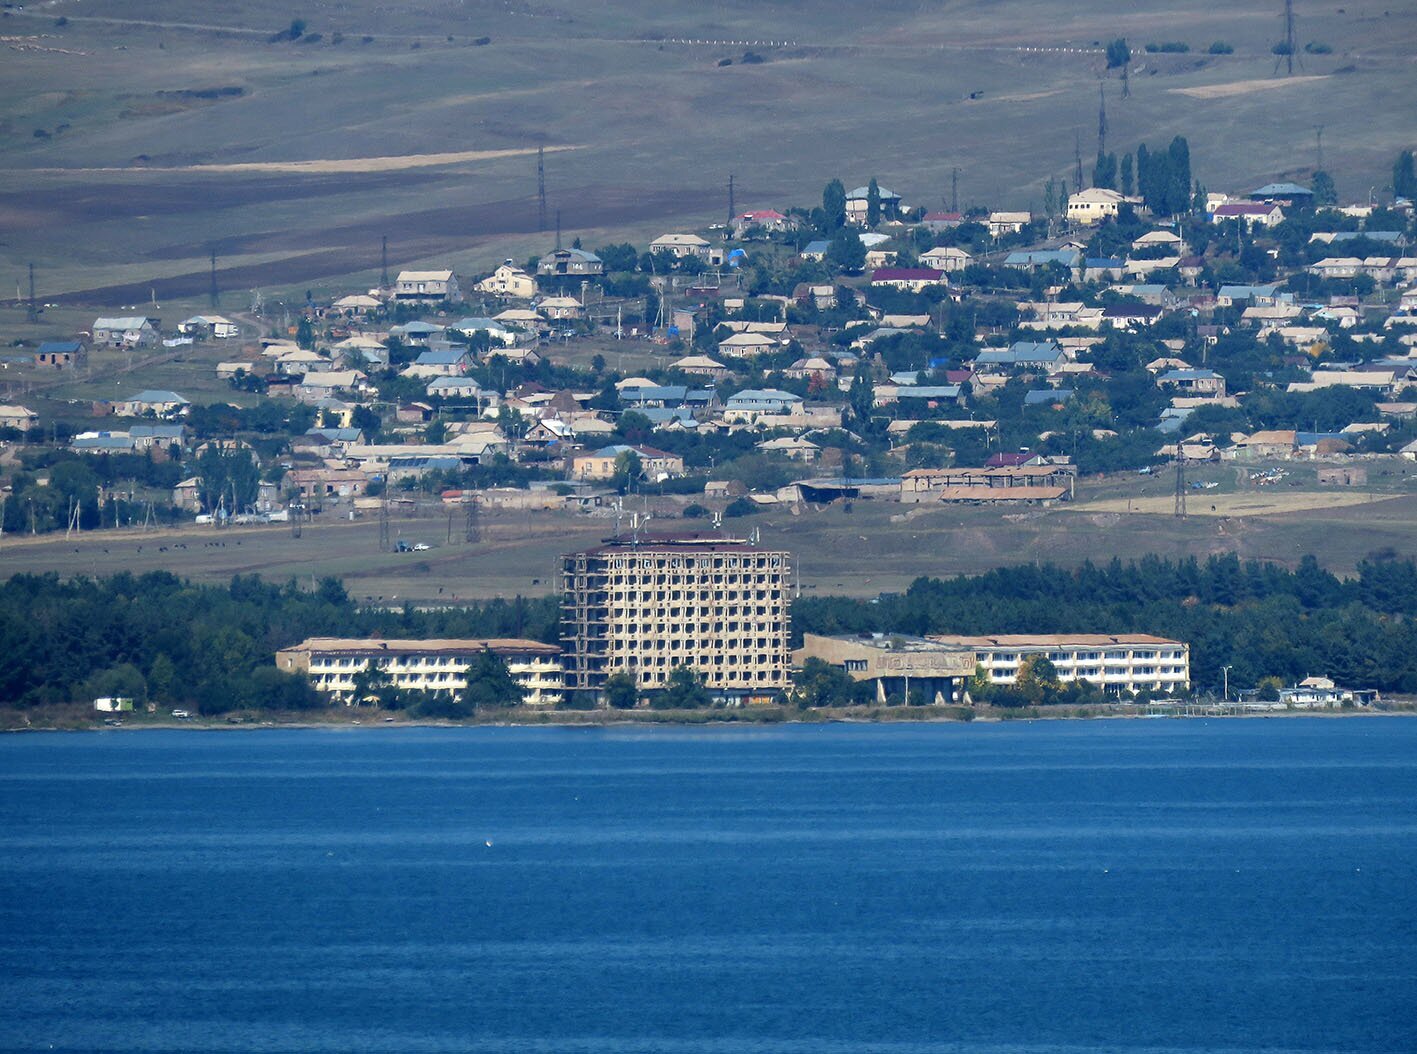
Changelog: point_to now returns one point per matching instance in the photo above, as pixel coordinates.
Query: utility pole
(472, 528)
(213, 294)
(1225, 673)
(1180, 482)
(541, 189)
(732, 212)
(954, 189)
(384, 263)
(32, 309)
(384, 545)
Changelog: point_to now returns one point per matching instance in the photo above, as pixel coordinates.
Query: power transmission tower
(732, 212)
(1077, 163)
(213, 294)
(1101, 119)
(384, 263)
(954, 189)
(1289, 37)
(297, 513)
(541, 189)
(32, 309)
(384, 544)
(1180, 482)
(472, 527)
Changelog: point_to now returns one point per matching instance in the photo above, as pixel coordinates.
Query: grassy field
(137, 136)
(875, 547)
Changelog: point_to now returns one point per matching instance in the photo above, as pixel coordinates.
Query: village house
(573, 262)
(700, 366)
(426, 286)
(599, 465)
(815, 251)
(561, 308)
(1033, 259)
(509, 281)
(132, 332)
(1192, 381)
(941, 221)
(151, 401)
(794, 447)
(1094, 205)
(157, 437)
(209, 327)
(858, 204)
(19, 417)
(746, 345)
(1002, 223)
(947, 258)
(909, 279)
(681, 245)
(356, 304)
(750, 405)
(453, 387)
(1251, 214)
(60, 354)
(761, 219)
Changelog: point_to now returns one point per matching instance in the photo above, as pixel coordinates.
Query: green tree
(1118, 53)
(873, 203)
(490, 685)
(621, 691)
(846, 251)
(1038, 680)
(1404, 176)
(227, 479)
(685, 691)
(1324, 191)
(861, 397)
(162, 677)
(822, 684)
(305, 334)
(834, 205)
(628, 469)
(1127, 184)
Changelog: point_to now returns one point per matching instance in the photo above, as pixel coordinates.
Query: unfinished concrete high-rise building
(645, 604)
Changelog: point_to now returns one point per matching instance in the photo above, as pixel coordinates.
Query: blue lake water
(1142, 886)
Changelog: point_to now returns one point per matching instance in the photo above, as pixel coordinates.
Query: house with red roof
(764, 219)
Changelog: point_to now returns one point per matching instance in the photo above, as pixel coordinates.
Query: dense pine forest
(160, 638)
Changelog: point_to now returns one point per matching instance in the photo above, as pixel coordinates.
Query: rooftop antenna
(954, 189)
(1077, 163)
(1101, 119)
(384, 263)
(32, 309)
(541, 189)
(213, 294)
(732, 212)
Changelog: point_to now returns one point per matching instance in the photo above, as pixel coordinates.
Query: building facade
(424, 665)
(900, 666)
(717, 605)
(1132, 662)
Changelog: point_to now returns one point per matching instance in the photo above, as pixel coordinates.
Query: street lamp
(1225, 673)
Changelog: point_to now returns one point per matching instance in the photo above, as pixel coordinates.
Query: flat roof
(440, 646)
(1060, 640)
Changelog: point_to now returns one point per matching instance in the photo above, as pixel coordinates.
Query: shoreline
(764, 717)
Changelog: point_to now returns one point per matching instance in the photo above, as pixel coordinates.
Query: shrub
(741, 507)
(481, 42)
(751, 58)
(1170, 47)
(695, 512)
(1221, 48)
(724, 62)
(1313, 47)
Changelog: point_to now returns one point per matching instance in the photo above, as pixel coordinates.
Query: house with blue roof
(752, 403)
(1193, 382)
(1023, 354)
(1283, 193)
(450, 363)
(1048, 396)
(102, 443)
(1032, 259)
(1103, 269)
(59, 354)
